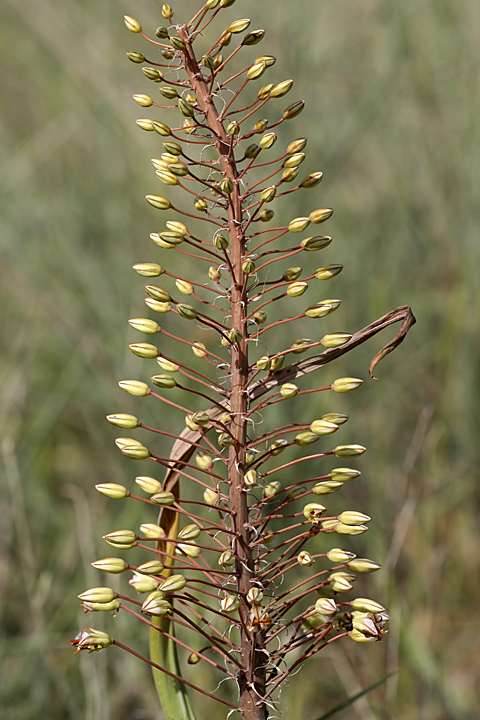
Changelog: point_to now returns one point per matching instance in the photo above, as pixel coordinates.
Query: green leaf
(349, 701)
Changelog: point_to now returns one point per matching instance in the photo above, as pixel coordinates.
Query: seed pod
(162, 32)
(112, 490)
(143, 100)
(121, 538)
(253, 37)
(272, 489)
(148, 484)
(156, 605)
(326, 488)
(346, 384)
(224, 440)
(250, 478)
(229, 604)
(344, 529)
(136, 57)
(132, 24)
(296, 289)
(161, 128)
(110, 565)
(335, 340)
(344, 474)
(293, 110)
(256, 70)
(186, 311)
(288, 390)
(268, 194)
(123, 420)
(323, 427)
(135, 387)
(348, 451)
(268, 140)
(319, 242)
(282, 89)
(319, 216)
(152, 74)
(164, 498)
(314, 511)
(326, 606)
(306, 438)
(167, 382)
(298, 224)
(200, 204)
(304, 558)
(294, 161)
(363, 565)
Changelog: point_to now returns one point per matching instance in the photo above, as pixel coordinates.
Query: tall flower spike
(238, 569)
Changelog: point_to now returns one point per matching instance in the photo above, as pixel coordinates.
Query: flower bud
(159, 202)
(136, 452)
(167, 382)
(296, 289)
(277, 446)
(125, 539)
(319, 216)
(299, 346)
(254, 596)
(350, 517)
(326, 606)
(210, 496)
(199, 349)
(167, 178)
(226, 559)
(252, 151)
(189, 532)
(164, 497)
(311, 180)
(239, 26)
(328, 271)
(298, 224)
(98, 595)
(220, 241)
(329, 526)
(143, 100)
(306, 438)
(132, 24)
(289, 174)
(145, 124)
(210, 4)
(123, 420)
(91, 639)
(367, 605)
(229, 604)
(161, 307)
(341, 584)
(173, 584)
(276, 363)
(256, 70)
(263, 363)
(363, 565)
(293, 110)
(178, 43)
(143, 583)
(323, 427)
(148, 269)
(155, 604)
(326, 488)
(200, 204)
(335, 340)
(253, 37)
(224, 440)
(136, 57)
(148, 484)
(336, 555)
(167, 365)
(314, 511)
(150, 530)
(360, 637)
(348, 451)
(193, 659)
(110, 565)
(153, 567)
(344, 474)
(112, 490)
(344, 529)
(203, 460)
(346, 384)
(248, 266)
(167, 12)
(272, 489)
(268, 194)
(294, 160)
(268, 140)
(319, 242)
(281, 89)
(250, 478)
(304, 558)
(318, 310)
(152, 74)
(288, 390)
(144, 325)
(161, 128)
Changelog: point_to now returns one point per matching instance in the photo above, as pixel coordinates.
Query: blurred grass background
(392, 121)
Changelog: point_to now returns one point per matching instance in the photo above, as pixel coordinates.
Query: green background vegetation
(392, 92)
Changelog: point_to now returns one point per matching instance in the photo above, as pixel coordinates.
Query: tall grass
(392, 91)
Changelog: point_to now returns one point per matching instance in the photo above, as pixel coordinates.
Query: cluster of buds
(236, 541)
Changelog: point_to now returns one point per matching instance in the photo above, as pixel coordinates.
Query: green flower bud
(110, 565)
(319, 310)
(184, 287)
(298, 224)
(233, 128)
(155, 532)
(343, 574)
(344, 529)
(277, 446)
(263, 363)
(210, 496)
(296, 289)
(159, 202)
(189, 532)
(328, 271)
(123, 420)
(136, 57)
(316, 243)
(266, 215)
(226, 559)
(152, 74)
(229, 604)
(288, 390)
(148, 484)
(161, 128)
(167, 365)
(132, 24)
(360, 637)
(341, 584)
(144, 325)
(329, 526)
(145, 124)
(193, 659)
(314, 511)
(203, 460)
(299, 346)
(254, 596)
(363, 565)
(143, 100)
(135, 387)
(167, 12)
(348, 451)
(220, 241)
(199, 350)
(226, 3)
(168, 178)
(336, 555)
(224, 440)
(186, 311)
(127, 442)
(155, 604)
(259, 317)
(276, 363)
(143, 583)
(326, 488)
(289, 174)
(294, 160)
(136, 452)
(121, 539)
(98, 595)
(153, 567)
(252, 151)
(344, 474)
(200, 204)
(304, 558)
(91, 639)
(174, 583)
(282, 89)
(350, 517)
(163, 497)
(335, 340)
(256, 70)
(367, 605)
(210, 4)
(178, 169)
(319, 216)
(326, 606)
(253, 37)
(167, 382)
(250, 478)
(306, 438)
(293, 110)
(178, 43)
(336, 418)
(323, 427)
(160, 307)
(312, 180)
(248, 266)
(268, 194)
(268, 140)
(272, 489)
(346, 384)
(186, 108)
(148, 269)
(239, 26)
(227, 186)
(112, 490)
